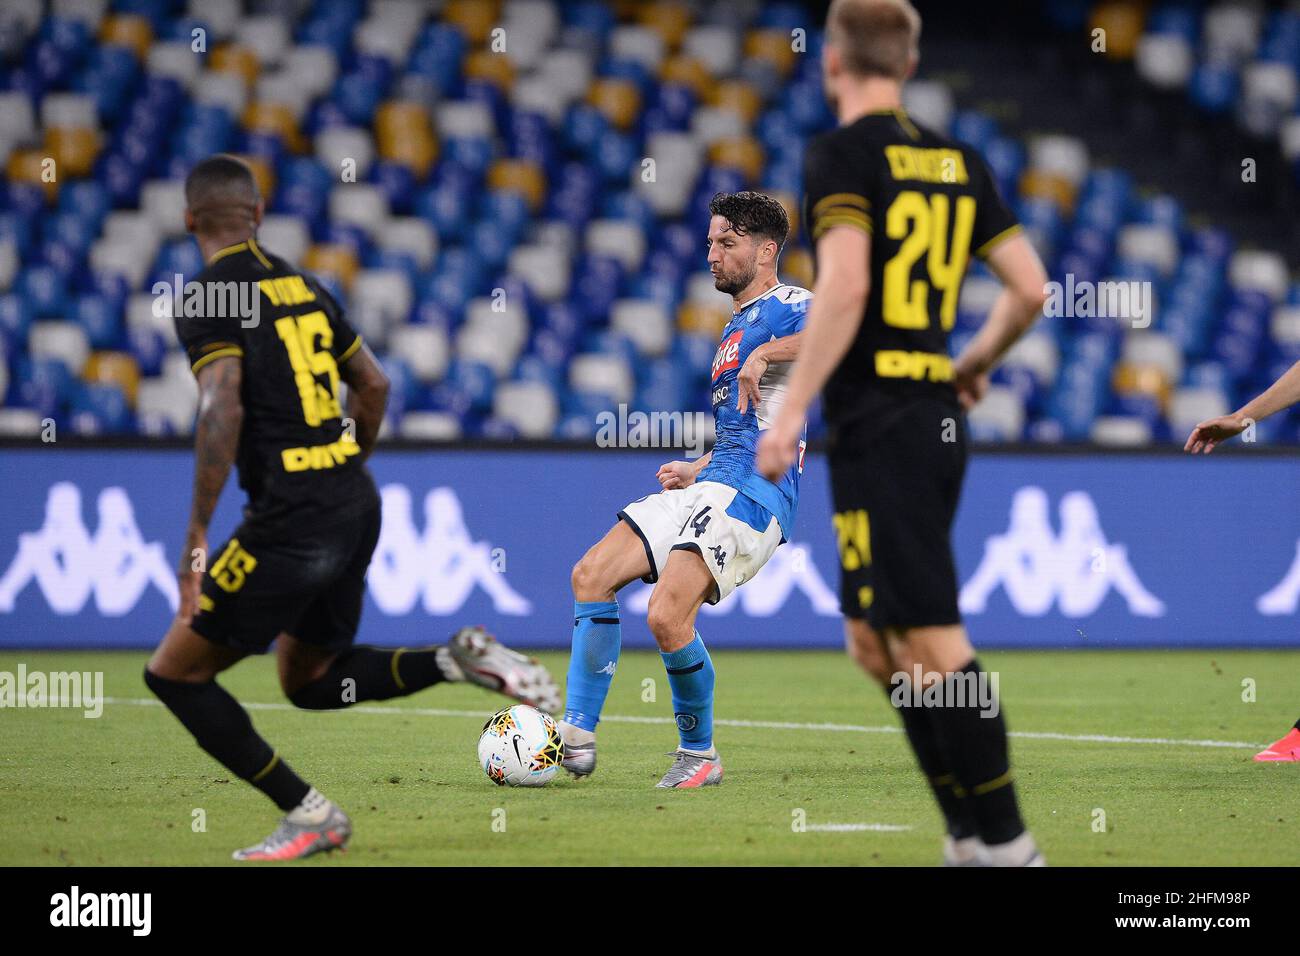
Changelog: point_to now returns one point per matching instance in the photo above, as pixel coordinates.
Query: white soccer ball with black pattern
(520, 747)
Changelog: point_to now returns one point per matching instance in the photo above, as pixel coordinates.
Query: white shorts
(712, 519)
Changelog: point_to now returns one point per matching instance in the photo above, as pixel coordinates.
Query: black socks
(921, 733)
(370, 673)
(223, 729)
(973, 743)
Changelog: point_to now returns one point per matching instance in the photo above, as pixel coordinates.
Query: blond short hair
(875, 37)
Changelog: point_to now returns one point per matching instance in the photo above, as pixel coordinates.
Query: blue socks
(690, 675)
(597, 638)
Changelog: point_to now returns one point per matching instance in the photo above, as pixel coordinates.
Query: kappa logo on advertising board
(1074, 570)
(69, 565)
(440, 566)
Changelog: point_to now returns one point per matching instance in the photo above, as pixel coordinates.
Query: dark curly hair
(752, 213)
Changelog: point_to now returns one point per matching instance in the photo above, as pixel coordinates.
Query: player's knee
(662, 617)
(586, 580)
(867, 649)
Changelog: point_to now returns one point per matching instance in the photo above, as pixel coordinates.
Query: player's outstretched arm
(839, 298)
(367, 396)
(1283, 393)
(1024, 281)
(784, 349)
(216, 442)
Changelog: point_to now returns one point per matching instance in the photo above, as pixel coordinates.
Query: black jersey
(296, 457)
(928, 203)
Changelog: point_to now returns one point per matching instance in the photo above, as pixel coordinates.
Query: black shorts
(308, 582)
(895, 492)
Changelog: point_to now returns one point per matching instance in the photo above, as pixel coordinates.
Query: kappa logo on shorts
(728, 355)
(719, 556)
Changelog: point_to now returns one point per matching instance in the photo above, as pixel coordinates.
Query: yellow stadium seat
(739, 97)
(474, 18)
(519, 176)
(239, 60)
(277, 120)
(404, 134)
(496, 68)
(774, 46)
(1122, 22)
(28, 165)
(128, 30)
(113, 368)
(1053, 186)
(692, 317)
(797, 267)
(332, 259)
(739, 152)
(263, 174)
(619, 100)
(1130, 379)
(74, 149)
(667, 18)
(790, 203)
(686, 71)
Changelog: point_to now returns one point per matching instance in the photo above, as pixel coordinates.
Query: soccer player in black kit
(895, 212)
(269, 347)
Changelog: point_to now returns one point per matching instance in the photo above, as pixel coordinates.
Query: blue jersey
(778, 312)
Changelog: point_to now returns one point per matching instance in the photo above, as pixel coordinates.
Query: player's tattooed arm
(784, 349)
(216, 442)
(367, 396)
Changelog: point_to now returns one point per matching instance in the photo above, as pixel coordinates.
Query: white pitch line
(856, 827)
(757, 724)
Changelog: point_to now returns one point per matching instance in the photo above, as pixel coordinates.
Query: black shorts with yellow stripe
(895, 493)
(309, 584)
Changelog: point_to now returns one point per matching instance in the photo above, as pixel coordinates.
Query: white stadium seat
(637, 43)
(429, 426)
(618, 238)
(717, 47)
(1002, 411)
(163, 201)
(65, 341)
(1165, 60)
(646, 323)
(1188, 407)
(1143, 347)
(267, 35)
(287, 236)
(20, 422)
(930, 103)
(422, 347)
(359, 204)
(1120, 432)
(530, 406)
(340, 143)
(545, 269)
(411, 235)
(602, 375)
(224, 90)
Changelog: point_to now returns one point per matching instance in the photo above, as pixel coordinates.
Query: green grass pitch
(123, 789)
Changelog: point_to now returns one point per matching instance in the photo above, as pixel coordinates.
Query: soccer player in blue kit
(717, 520)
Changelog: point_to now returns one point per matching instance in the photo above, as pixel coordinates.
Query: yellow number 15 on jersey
(300, 333)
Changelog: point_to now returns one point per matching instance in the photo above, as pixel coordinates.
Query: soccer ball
(520, 747)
